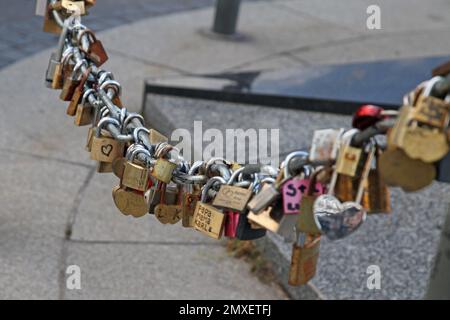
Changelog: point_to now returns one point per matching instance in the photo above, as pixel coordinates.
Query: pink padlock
(293, 191)
(231, 223)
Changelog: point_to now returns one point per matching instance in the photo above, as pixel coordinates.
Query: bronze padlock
(129, 202)
(95, 52)
(71, 82)
(305, 256)
(78, 94)
(376, 197)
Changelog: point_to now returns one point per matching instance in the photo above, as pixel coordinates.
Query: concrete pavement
(55, 212)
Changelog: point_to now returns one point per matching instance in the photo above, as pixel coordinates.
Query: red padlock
(231, 223)
(366, 116)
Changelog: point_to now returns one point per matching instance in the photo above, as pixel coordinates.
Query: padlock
(305, 256)
(76, 7)
(420, 130)
(85, 111)
(366, 116)
(399, 170)
(62, 69)
(135, 174)
(95, 51)
(129, 202)
(306, 222)
(169, 213)
(103, 147)
(265, 219)
(191, 196)
(72, 82)
(104, 167)
(376, 197)
(78, 94)
(50, 24)
(295, 187)
(231, 223)
(264, 198)
(348, 156)
(232, 197)
(156, 137)
(325, 145)
(245, 230)
(190, 199)
(55, 61)
(337, 219)
(208, 219)
(163, 168)
(442, 70)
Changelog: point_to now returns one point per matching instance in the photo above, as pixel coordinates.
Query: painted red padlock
(366, 116)
(231, 223)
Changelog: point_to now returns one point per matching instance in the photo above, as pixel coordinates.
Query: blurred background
(56, 211)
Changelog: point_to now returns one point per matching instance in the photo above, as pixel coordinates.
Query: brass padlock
(420, 130)
(72, 82)
(348, 159)
(129, 202)
(306, 222)
(169, 213)
(264, 219)
(95, 52)
(77, 7)
(63, 68)
(190, 199)
(136, 175)
(305, 256)
(84, 115)
(232, 197)
(156, 137)
(104, 167)
(163, 168)
(105, 148)
(376, 197)
(50, 24)
(78, 94)
(208, 219)
(399, 170)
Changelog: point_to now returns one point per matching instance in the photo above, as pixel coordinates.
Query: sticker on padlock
(293, 191)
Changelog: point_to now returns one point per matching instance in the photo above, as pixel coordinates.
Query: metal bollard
(227, 12)
(439, 284)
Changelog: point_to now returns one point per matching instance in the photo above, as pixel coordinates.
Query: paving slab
(121, 271)
(191, 51)
(37, 198)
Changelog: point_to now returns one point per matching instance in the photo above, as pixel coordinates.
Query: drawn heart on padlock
(337, 220)
(106, 150)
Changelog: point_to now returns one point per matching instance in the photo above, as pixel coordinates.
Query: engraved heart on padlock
(337, 220)
(106, 150)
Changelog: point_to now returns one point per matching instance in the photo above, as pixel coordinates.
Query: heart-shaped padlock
(337, 220)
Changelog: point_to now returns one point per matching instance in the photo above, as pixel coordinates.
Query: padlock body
(304, 262)
(208, 220)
